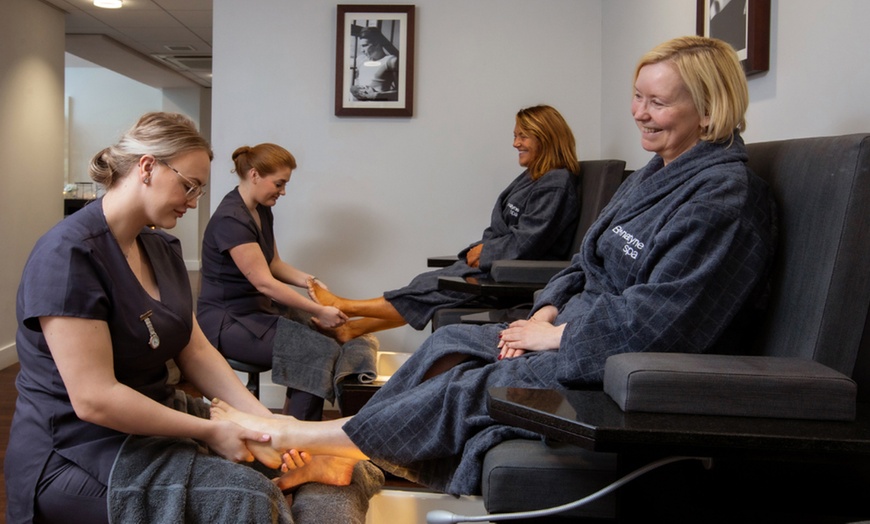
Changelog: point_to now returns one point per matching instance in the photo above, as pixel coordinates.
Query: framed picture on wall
(745, 24)
(374, 60)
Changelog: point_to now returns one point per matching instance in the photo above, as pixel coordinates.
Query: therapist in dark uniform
(103, 303)
(244, 288)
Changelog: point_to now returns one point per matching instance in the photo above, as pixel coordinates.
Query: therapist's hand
(329, 317)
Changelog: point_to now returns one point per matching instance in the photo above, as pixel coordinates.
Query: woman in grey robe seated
(534, 218)
(681, 251)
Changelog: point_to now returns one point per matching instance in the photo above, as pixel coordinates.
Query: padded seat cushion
(746, 386)
(525, 475)
(452, 315)
(526, 271)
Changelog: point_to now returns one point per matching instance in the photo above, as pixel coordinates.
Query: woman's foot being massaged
(374, 314)
(327, 456)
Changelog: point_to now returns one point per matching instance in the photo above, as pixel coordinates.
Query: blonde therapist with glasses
(244, 286)
(104, 301)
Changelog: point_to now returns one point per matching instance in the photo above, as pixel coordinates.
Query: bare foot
(342, 334)
(262, 451)
(265, 453)
(221, 410)
(278, 427)
(286, 433)
(325, 469)
(320, 294)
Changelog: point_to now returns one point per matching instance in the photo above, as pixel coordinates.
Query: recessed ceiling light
(108, 4)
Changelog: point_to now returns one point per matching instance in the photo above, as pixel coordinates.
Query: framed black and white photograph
(745, 24)
(374, 60)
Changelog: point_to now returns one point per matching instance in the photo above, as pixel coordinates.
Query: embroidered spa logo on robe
(633, 246)
(513, 210)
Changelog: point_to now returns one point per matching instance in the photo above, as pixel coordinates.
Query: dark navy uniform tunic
(237, 319)
(78, 270)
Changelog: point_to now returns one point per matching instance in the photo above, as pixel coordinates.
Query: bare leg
(316, 438)
(445, 363)
(372, 307)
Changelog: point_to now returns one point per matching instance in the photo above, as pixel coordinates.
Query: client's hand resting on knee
(536, 334)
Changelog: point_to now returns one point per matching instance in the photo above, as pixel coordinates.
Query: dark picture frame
(382, 84)
(745, 24)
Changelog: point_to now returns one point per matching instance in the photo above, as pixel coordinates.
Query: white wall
(819, 72)
(631, 28)
(373, 197)
(104, 104)
(31, 143)
(817, 83)
(196, 103)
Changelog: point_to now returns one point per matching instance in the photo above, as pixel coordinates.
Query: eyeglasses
(195, 190)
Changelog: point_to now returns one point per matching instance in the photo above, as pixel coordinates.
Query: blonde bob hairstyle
(713, 76)
(558, 149)
(265, 158)
(161, 135)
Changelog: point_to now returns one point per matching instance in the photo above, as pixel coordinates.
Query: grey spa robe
(668, 265)
(531, 220)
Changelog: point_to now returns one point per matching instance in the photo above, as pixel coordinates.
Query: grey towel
(307, 360)
(358, 357)
(162, 480)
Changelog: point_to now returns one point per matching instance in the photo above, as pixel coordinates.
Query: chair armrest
(526, 271)
(444, 261)
(738, 385)
(495, 316)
